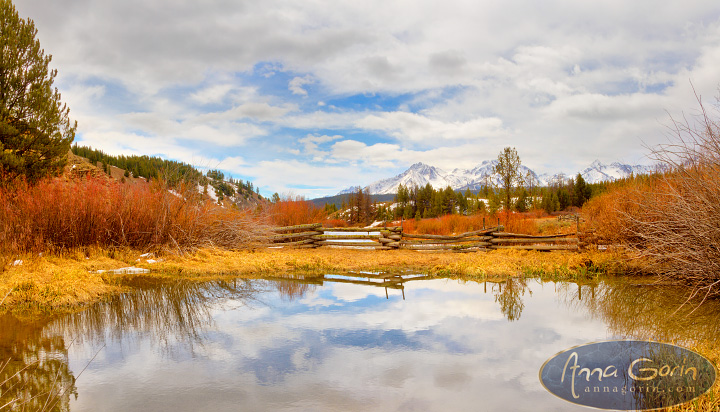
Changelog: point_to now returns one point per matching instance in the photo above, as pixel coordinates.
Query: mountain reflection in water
(352, 342)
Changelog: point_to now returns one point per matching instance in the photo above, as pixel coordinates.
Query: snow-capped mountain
(421, 174)
(599, 172)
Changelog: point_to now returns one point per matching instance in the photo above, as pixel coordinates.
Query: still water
(338, 344)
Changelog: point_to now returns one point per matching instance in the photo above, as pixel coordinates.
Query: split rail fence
(388, 238)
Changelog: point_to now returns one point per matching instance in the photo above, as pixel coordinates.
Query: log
(395, 237)
(539, 247)
(444, 237)
(296, 243)
(331, 243)
(386, 240)
(308, 246)
(276, 238)
(446, 247)
(534, 240)
(341, 237)
(506, 234)
(480, 249)
(369, 246)
(440, 241)
(296, 227)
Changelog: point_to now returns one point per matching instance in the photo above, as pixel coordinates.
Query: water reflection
(510, 297)
(351, 342)
(640, 309)
(162, 311)
(34, 369)
(34, 372)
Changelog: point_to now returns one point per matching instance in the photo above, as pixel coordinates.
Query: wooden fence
(388, 238)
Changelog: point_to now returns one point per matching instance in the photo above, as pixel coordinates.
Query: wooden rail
(389, 238)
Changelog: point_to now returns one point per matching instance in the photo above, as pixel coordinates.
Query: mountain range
(421, 174)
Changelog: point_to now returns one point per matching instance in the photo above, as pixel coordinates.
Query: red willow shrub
(295, 210)
(61, 214)
(449, 224)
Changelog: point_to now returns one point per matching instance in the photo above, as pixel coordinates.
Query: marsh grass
(60, 283)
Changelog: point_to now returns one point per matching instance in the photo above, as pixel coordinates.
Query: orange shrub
(334, 223)
(455, 224)
(609, 214)
(295, 211)
(449, 224)
(519, 223)
(61, 214)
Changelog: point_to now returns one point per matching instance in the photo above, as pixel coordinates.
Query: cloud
(294, 176)
(418, 128)
(312, 142)
(449, 62)
(261, 111)
(453, 81)
(212, 94)
(297, 83)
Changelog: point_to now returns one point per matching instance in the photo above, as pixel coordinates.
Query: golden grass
(59, 283)
(711, 400)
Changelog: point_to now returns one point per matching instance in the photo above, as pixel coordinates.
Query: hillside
(140, 170)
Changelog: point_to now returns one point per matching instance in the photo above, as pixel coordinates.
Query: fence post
(577, 225)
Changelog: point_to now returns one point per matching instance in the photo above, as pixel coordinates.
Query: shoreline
(50, 285)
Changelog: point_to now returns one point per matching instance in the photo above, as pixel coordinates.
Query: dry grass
(62, 283)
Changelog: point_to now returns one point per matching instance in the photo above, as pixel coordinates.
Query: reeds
(59, 214)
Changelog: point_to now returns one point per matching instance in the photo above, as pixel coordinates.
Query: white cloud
(565, 82)
(286, 176)
(419, 128)
(261, 111)
(297, 83)
(212, 94)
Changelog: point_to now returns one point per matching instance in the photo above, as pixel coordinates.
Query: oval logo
(628, 375)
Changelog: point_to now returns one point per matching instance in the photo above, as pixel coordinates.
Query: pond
(364, 342)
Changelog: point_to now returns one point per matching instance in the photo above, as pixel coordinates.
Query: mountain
(421, 174)
(88, 162)
(599, 172)
(418, 174)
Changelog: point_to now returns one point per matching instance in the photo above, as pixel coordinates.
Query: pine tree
(582, 191)
(35, 128)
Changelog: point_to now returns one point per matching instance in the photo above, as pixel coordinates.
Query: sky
(311, 97)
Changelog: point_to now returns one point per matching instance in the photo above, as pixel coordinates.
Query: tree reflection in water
(510, 297)
(35, 373)
(639, 309)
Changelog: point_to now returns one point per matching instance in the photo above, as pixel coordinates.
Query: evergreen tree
(582, 191)
(563, 198)
(35, 128)
(521, 205)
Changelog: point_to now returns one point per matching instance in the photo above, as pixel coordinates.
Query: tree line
(172, 172)
(513, 192)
